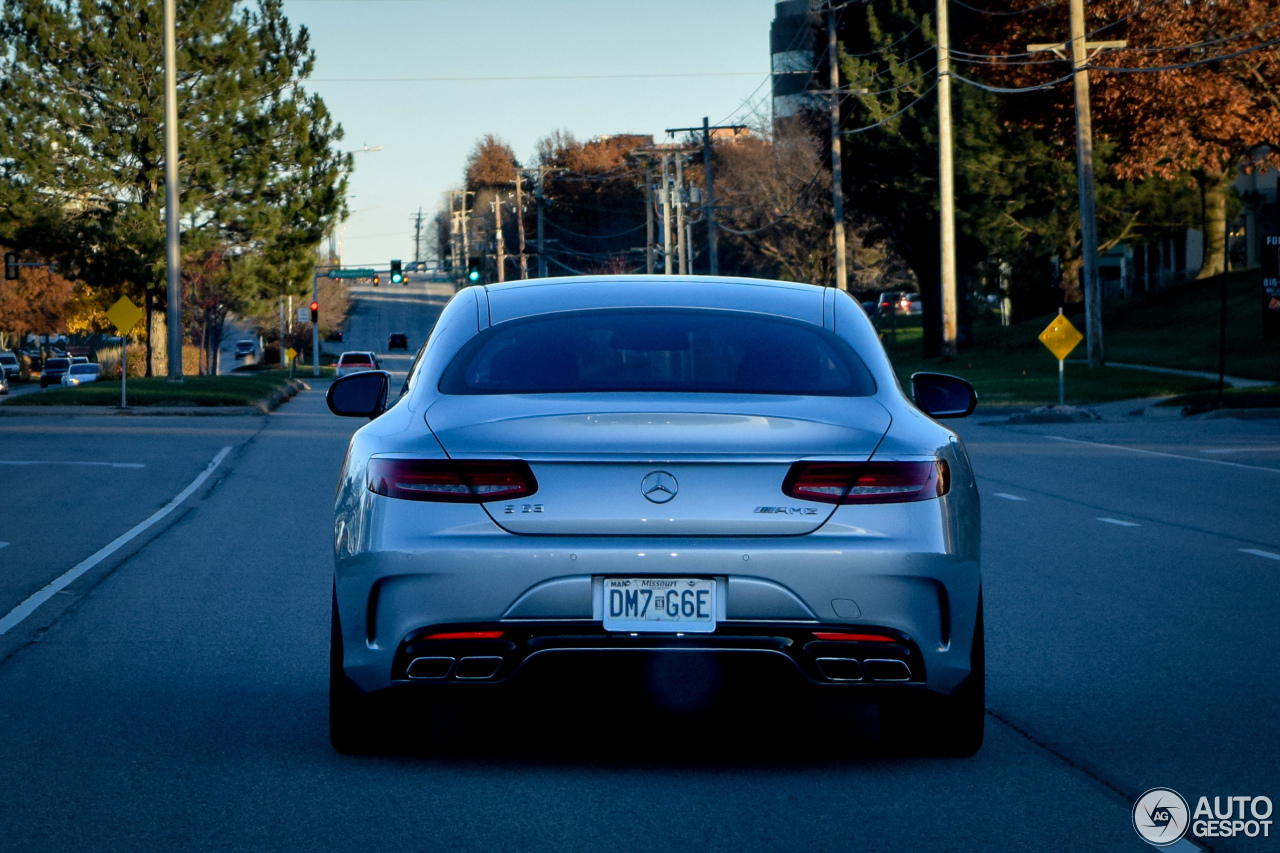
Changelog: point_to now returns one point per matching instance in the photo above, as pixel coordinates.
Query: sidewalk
(1232, 381)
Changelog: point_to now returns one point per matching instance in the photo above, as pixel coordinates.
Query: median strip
(26, 608)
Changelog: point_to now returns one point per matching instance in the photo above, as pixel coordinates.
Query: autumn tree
(34, 304)
(1196, 91)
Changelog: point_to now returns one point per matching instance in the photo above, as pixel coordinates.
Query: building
(796, 31)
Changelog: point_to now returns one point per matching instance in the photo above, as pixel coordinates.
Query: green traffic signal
(397, 275)
(474, 275)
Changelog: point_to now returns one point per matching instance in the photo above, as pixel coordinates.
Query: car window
(83, 369)
(355, 358)
(56, 363)
(657, 350)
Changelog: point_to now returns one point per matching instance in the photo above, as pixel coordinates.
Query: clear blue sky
(427, 128)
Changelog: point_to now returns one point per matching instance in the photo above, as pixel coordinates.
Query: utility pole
(315, 326)
(542, 239)
(524, 261)
(648, 216)
(709, 203)
(465, 218)
(666, 214)
(1080, 56)
(837, 177)
(681, 249)
(946, 176)
(417, 238)
(497, 229)
(172, 205)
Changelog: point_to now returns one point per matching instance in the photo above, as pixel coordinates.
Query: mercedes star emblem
(658, 487)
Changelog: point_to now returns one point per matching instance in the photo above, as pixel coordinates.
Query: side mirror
(941, 396)
(360, 395)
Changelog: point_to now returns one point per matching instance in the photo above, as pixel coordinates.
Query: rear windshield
(694, 351)
(56, 363)
(78, 369)
(355, 358)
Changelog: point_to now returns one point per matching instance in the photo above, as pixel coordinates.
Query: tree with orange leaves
(1196, 91)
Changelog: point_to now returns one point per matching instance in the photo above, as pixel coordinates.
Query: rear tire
(351, 722)
(950, 726)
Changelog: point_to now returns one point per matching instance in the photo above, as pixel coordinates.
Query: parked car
(53, 371)
(4, 383)
(910, 305)
(398, 342)
(888, 302)
(81, 374)
(245, 349)
(9, 365)
(334, 337)
(79, 359)
(355, 362)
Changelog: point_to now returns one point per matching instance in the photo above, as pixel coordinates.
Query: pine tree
(82, 141)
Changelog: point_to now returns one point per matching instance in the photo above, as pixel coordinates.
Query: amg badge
(788, 510)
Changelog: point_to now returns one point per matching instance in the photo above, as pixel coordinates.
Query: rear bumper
(545, 594)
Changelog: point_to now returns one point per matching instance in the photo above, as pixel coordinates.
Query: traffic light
(376, 279)
(397, 274)
(10, 266)
(473, 271)
(315, 312)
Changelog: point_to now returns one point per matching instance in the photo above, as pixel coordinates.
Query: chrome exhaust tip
(887, 670)
(429, 669)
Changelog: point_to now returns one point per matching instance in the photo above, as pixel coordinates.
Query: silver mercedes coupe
(581, 472)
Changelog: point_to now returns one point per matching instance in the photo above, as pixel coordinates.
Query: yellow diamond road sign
(1061, 337)
(291, 353)
(124, 315)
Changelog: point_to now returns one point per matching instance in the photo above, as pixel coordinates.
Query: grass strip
(242, 390)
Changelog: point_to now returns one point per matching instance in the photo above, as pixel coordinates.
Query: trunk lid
(712, 465)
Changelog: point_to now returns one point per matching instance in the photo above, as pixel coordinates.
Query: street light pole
(946, 175)
(172, 212)
(837, 176)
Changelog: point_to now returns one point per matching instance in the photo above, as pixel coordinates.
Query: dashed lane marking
(1009, 497)
(26, 608)
(1257, 553)
(1168, 455)
(1120, 523)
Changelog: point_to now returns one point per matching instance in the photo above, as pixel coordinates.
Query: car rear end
(354, 362)
(53, 370)
(736, 475)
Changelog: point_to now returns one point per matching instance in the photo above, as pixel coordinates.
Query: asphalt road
(174, 696)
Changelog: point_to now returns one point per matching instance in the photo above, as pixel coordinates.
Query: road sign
(124, 315)
(1061, 337)
(304, 313)
(1271, 286)
(291, 354)
(361, 273)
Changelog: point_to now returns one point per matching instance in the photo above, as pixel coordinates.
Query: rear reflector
(462, 481)
(867, 482)
(464, 635)
(841, 636)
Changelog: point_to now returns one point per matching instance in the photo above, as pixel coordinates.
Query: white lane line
(1221, 450)
(1169, 455)
(1009, 497)
(1255, 552)
(26, 608)
(4, 544)
(56, 462)
(1120, 523)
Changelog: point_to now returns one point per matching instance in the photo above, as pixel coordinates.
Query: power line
(1182, 65)
(523, 78)
(1008, 14)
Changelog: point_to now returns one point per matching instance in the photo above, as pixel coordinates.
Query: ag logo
(1160, 816)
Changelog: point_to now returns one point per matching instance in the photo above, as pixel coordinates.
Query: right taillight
(452, 481)
(867, 482)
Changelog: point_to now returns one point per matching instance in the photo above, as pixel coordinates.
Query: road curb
(262, 407)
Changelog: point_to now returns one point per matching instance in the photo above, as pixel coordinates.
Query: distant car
(334, 337)
(9, 365)
(888, 301)
(398, 342)
(355, 362)
(244, 349)
(870, 307)
(81, 374)
(53, 370)
(4, 383)
(79, 359)
(910, 304)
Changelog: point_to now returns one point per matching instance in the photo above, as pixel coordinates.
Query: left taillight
(453, 481)
(867, 482)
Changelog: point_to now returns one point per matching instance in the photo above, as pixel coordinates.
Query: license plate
(659, 604)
